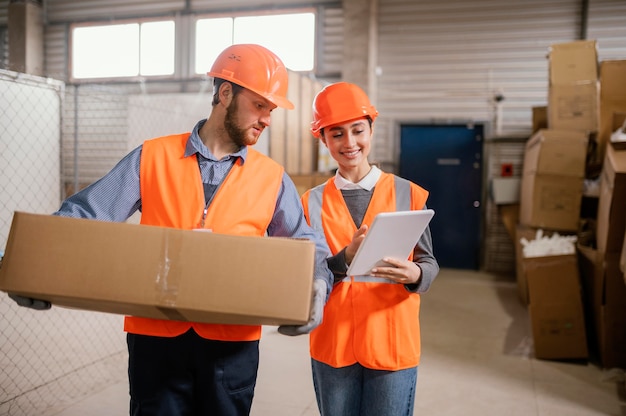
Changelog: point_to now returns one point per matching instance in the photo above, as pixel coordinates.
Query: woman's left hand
(400, 271)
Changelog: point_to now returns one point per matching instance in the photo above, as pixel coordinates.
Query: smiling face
(246, 117)
(349, 144)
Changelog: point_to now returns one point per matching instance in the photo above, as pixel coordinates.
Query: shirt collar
(195, 145)
(367, 183)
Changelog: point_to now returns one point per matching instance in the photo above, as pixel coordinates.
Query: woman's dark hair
(216, 89)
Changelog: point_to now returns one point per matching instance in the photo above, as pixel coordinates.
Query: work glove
(40, 305)
(317, 312)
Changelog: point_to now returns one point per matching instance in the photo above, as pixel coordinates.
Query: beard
(236, 134)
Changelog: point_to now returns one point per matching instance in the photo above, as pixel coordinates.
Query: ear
(226, 93)
(323, 140)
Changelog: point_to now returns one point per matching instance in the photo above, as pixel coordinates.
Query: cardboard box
(522, 231)
(509, 214)
(612, 100)
(612, 73)
(540, 118)
(551, 201)
(159, 272)
(528, 233)
(611, 222)
(306, 182)
(555, 306)
(605, 306)
(558, 152)
(618, 137)
(574, 106)
(573, 62)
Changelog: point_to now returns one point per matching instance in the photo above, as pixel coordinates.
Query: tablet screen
(392, 234)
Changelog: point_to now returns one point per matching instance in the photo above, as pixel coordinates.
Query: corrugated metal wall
(607, 24)
(445, 60)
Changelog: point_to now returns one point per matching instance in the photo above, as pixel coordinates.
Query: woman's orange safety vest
(368, 320)
(172, 195)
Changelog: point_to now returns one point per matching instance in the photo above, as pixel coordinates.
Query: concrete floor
(477, 359)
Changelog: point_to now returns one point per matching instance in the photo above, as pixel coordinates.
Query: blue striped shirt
(117, 196)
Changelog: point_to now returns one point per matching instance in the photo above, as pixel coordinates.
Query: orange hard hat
(255, 68)
(339, 102)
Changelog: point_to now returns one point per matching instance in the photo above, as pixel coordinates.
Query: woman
(366, 352)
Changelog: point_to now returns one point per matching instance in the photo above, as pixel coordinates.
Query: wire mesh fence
(48, 359)
(55, 140)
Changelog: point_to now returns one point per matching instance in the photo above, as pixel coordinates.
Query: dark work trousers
(189, 375)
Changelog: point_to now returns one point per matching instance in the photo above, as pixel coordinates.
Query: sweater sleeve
(425, 260)
(338, 266)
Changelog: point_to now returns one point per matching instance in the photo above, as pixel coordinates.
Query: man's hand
(317, 312)
(40, 305)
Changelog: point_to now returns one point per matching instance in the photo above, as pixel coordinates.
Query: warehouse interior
(477, 83)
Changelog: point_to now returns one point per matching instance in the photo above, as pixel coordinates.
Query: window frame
(184, 43)
(132, 78)
(251, 13)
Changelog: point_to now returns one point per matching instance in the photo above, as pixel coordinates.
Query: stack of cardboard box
(554, 170)
(604, 284)
(586, 103)
(603, 279)
(552, 180)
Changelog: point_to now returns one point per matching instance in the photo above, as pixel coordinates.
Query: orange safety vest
(368, 320)
(172, 195)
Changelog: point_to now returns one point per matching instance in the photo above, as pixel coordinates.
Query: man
(210, 178)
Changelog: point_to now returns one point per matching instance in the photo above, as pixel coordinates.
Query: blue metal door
(447, 161)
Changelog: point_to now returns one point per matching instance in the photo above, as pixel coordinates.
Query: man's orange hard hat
(256, 68)
(340, 102)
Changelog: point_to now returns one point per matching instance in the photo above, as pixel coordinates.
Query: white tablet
(392, 234)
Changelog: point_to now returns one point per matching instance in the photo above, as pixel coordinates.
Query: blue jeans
(359, 391)
(189, 375)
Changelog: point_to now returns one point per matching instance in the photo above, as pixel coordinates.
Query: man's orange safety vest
(368, 320)
(172, 195)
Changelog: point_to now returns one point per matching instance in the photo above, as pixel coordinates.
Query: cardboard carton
(574, 106)
(555, 307)
(611, 222)
(539, 118)
(605, 306)
(557, 152)
(612, 100)
(573, 62)
(551, 201)
(306, 182)
(159, 272)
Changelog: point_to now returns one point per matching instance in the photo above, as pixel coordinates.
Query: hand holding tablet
(392, 234)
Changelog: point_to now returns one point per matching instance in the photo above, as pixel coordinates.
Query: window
(290, 36)
(123, 50)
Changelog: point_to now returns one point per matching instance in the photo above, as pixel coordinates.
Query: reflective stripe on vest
(244, 207)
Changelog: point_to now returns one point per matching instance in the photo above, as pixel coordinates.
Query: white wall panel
(4, 9)
(447, 60)
(607, 24)
(85, 10)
